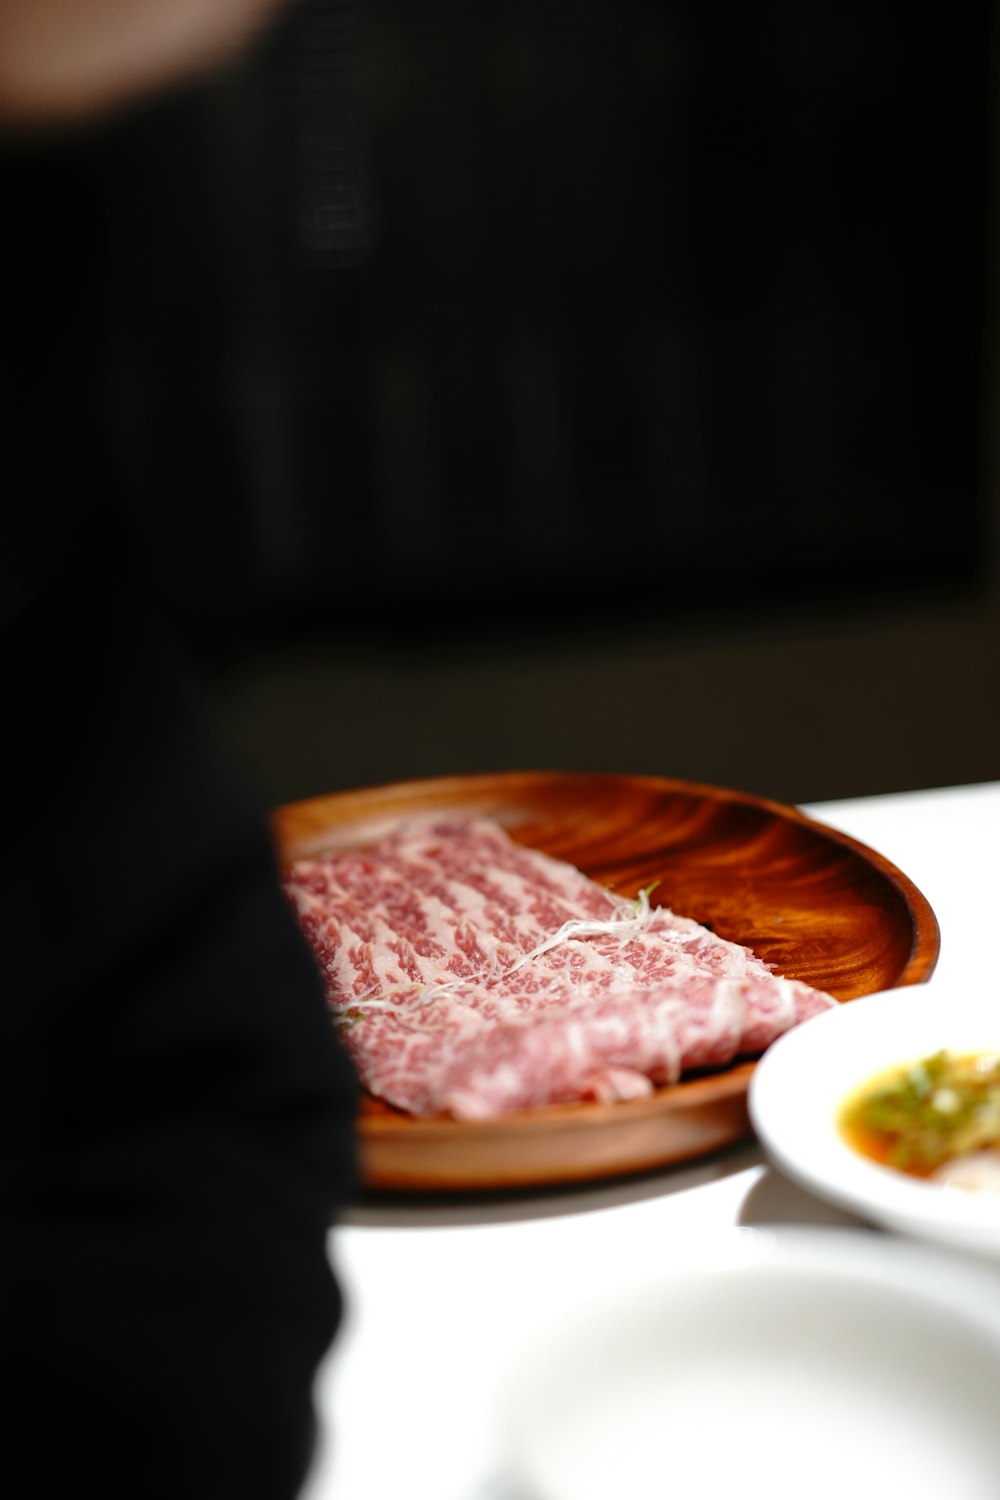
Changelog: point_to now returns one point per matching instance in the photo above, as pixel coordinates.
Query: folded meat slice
(474, 977)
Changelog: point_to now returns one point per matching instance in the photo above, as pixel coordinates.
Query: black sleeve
(176, 1116)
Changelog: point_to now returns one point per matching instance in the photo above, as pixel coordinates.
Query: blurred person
(177, 1116)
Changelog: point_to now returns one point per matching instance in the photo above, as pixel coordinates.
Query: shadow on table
(435, 1210)
(774, 1199)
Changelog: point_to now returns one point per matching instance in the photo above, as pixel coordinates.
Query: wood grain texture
(814, 903)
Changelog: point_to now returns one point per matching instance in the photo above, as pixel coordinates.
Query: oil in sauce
(925, 1116)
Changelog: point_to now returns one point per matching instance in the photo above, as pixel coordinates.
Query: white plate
(800, 1084)
(826, 1363)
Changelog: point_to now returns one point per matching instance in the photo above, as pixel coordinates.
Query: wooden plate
(816, 904)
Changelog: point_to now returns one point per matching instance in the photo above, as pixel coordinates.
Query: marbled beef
(472, 976)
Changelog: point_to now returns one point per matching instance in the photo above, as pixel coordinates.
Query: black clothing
(176, 1115)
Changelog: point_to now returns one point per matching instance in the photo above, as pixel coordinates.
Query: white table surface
(440, 1295)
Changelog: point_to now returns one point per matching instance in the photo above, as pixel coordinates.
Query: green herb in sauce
(929, 1112)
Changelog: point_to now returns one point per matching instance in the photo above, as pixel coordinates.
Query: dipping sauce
(936, 1118)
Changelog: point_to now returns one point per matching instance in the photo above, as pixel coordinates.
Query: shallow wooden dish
(816, 904)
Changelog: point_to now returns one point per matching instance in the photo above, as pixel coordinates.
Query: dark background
(602, 385)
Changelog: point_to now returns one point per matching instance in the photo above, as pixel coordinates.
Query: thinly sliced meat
(475, 977)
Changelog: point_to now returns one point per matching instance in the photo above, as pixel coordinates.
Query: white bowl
(830, 1363)
(800, 1084)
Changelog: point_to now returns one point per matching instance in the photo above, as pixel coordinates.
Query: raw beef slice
(472, 976)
